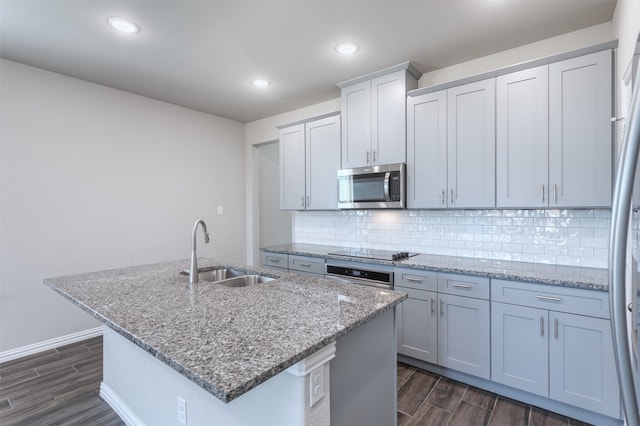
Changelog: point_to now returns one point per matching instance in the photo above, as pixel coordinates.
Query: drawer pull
(274, 260)
(541, 326)
(441, 308)
(555, 328)
(549, 298)
(433, 309)
(305, 265)
(413, 280)
(464, 286)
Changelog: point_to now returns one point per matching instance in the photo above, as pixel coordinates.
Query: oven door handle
(349, 280)
(387, 179)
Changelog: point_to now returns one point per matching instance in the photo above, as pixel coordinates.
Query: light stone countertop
(227, 340)
(566, 276)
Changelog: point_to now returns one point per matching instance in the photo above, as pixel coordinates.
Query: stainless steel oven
(374, 187)
(354, 273)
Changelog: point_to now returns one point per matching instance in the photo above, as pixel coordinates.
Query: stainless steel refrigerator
(624, 259)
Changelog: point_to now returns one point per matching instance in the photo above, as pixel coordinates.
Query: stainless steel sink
(229, 277)
(244, 280)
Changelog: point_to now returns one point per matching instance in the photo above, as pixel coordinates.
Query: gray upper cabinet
(471, 145)
(374, 117)
(309, 161)
(292, 168)
(522, 138)
(580, 131)
(451, 147)
(427, 150)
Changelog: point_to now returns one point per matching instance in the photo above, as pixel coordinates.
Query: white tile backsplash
(556, 236)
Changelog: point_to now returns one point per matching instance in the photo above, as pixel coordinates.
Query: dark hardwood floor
(428, 399)
(61, 387)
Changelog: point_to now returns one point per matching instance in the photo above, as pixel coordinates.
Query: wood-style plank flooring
(428, 399)
(56, 387)
(61, 387)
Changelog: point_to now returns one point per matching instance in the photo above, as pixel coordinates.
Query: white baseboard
(49, 344)
(119, 406)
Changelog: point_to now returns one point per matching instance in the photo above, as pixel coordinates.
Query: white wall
(552, 46)
(95, 178)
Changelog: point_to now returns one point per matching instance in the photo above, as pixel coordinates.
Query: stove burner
(374, 254)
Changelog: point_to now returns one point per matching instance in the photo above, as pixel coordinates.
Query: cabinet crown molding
(408, 66)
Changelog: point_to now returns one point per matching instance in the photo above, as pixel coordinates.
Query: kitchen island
(269, 353)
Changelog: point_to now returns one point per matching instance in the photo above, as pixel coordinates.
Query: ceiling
(204, 54)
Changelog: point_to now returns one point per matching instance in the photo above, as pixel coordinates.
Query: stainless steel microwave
(374, 187)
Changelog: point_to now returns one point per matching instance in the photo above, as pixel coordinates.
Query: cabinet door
(322, 163)
(463, 334)
(292, 168)
(388, 117)
(522, 141)
(356, 125)
(427, 151)
(580, 131)
(581, 364)
(520, 347)
(471, 145)
(417, 325)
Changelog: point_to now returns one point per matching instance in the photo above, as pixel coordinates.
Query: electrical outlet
(220, 209)
(182, 411)
(316, 385)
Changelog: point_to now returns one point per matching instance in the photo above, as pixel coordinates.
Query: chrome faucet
(193, 269)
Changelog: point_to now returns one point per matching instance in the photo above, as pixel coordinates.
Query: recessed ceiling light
(123, 25)
(260, 82)
(347, 48)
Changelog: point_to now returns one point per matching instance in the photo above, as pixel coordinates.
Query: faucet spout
(193, 268)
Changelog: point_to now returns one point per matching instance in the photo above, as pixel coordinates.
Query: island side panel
(363, 375)
(149, 390)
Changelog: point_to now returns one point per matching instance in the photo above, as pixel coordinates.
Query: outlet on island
(182, 411)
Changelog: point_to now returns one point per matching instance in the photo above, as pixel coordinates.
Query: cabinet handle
(464, 286)
(433, 308)
(367, 157)
(305, 265)
(374, 156)
(302, 201)
(441, 308)
(541, 326)
(542, 193)
(630, 307)
(308, 200)
(555, 328)
(413, 280)
(555, 193)
(549, 298)
(442, 198)
(451, 197)
(274, 260)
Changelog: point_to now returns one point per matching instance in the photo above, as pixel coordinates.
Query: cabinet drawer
(464, 285)
(417, 294)
(414, 278)
(314, 265)
(275, 260)
(563, 299)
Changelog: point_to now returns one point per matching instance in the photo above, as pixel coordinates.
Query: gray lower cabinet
(554, 342)
(274, 260)
(464, 324)
(416, 317)
(445, 320)
(306, 265)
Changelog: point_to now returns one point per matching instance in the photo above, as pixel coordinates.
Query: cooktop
(374, 253)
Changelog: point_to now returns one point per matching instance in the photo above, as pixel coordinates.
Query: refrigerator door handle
(620, 215)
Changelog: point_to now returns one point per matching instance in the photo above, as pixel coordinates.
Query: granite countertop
(567, 276)
(227, 340)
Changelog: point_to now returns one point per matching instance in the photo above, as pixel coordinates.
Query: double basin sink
(229, 277)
